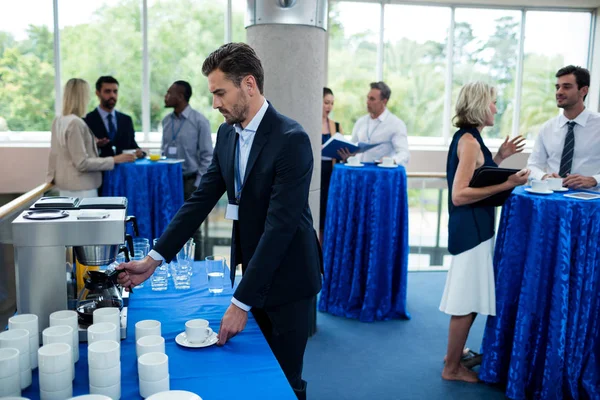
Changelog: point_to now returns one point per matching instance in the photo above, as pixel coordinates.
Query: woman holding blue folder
(470, 288)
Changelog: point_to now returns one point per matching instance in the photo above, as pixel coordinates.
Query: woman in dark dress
(329, 127)
(470, 287)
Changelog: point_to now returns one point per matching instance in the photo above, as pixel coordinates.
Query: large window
(103, 37)
(352, 63)
(26, 66)
(415, 65)
(554, 39)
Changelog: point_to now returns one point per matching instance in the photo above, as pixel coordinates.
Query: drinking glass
(180, 271)
(138, 255)
(160, 278)
(215, 269)
(141, 244)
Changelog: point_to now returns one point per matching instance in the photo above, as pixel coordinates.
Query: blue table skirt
(154, 191)
(544, 342)
(244, 368)
(365, 248)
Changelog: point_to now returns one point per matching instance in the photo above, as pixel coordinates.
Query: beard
(239, 111)
(109, 103)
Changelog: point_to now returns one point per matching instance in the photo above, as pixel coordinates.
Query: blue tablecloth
(365, 248)
(544, 342)
(244, 368)
(154, 191)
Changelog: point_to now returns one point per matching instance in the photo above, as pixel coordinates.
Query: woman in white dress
(74, 166)
(470, 282)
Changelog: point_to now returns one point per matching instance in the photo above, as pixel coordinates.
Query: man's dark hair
(187, 89)
(385, 90)
(327, 91)
(582, 75)
(105, 79)
(236, 61)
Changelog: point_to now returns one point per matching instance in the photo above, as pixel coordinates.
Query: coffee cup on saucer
(197, 330)
(539, 185)
(353, 160)
(555, 183)
(387, 162)
(129, 151)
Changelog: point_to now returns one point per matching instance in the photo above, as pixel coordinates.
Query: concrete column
(293, 57)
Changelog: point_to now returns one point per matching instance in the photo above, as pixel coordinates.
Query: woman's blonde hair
(76, 97)
(473, 105)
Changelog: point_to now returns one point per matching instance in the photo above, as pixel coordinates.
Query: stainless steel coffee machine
(93, 228)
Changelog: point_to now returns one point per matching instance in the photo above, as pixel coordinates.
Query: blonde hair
(76, 97)
(473, 104)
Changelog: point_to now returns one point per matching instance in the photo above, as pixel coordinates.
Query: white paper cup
(197, 330)
(104, 354)
(68, 318)
(16, 339)
(146, 328)
(57, 395)
(111, 315)
(147, 388)
(114, 391)
(106, 376)
(25, 378)
(55, 357)
(55, 382)
(11, 384)
(153, 366)
(101, 331)
(9, 362)
(150, 344)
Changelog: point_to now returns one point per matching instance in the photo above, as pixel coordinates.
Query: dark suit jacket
(274, 239)
(124, 139)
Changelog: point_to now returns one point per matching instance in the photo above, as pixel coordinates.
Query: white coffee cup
(197, 330)
(353, 160)
(539, 185)
(150, 344)
(555, 183)
(387, 161)
(148, 388)
(105, 376)
(147, 327)
(10, 385)
(101, 331)
(55, 357)
(111, 315)
(153, 366)
(9, 362)
(16, 339)
(104, 354)
(114, 391)
(55, 382)
(130, 151)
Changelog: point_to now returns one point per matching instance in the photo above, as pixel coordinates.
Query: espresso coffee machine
(92, 228)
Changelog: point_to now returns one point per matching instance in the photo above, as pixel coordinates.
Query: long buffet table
(244, 368)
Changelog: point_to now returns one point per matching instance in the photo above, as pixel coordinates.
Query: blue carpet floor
(390, 360)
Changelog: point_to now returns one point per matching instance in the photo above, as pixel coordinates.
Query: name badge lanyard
(239, 184)
(173, 133)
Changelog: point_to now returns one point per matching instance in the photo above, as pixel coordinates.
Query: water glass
(160, 278)
(215, 269)
(141, 244)
(180, 272)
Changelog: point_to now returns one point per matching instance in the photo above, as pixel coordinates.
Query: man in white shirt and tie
(568, 146)
(381, 126)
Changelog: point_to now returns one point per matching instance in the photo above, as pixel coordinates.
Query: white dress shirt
(245, 145)
(386, 129)
(548, 148)
(104, 115)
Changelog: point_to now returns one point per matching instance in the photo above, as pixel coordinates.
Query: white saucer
(560, 190)
(355, 165)
(387, 166)
(530, 190)
(181, 340)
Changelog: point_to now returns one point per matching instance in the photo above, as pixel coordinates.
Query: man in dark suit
(111, 128)
(263, 160)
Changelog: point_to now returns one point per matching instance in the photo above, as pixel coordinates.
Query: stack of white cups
(148, 337)
(153, 373)
(104, 361)
(55, 362)
(10, 379)
(29, 322)
(68, 318)
(60, 334)
(19, 339)
(111, 315)
(101, 331)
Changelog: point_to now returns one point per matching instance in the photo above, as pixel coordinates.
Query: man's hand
(552, 175)
(577, 181)
(102, 142)
(139, 153)
(344, 154)
(136, 272)
(232, 323)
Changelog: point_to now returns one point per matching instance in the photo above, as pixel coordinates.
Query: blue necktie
(567, 155)
(112, 129)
